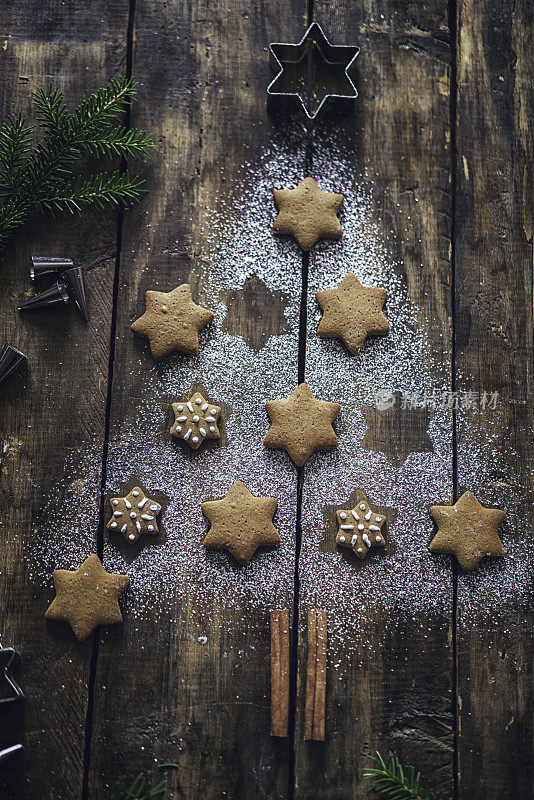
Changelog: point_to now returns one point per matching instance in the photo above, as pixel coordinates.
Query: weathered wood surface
(57, 405)
(395, 692)
(188, 681)
(494, 353)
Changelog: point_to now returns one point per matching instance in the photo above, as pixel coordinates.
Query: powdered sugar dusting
(404, 578)
(496, 585)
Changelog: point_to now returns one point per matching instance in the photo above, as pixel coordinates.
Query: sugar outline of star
(330, 301)
(357, 517)
(75, 588)
(199, 318)
(279, 435)
(489, 519)
(145, 523)
(222, 531)
(208, 430)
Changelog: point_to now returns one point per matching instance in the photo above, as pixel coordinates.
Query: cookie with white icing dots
(360, 528)
(134, 515)
(196, 420)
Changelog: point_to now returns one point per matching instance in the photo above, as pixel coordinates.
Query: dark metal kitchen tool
(10, 359)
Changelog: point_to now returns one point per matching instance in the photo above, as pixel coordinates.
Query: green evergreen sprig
(138, 789)
(40, 176)
(395, 782)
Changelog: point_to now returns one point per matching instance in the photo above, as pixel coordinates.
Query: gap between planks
(453, 98)
(130, 37)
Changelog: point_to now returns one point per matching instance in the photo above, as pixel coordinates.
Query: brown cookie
(308, 213)
(134, 515)
(467, 530)
(352, 312)
(240, 523)
(195, 420)
(172, 321)
(87, 597)
(301, 424)
(360, 528)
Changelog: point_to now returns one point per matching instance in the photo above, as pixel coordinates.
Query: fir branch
(99, 191)
(43, 178)
(130, 143)
(12, 216)
(138, 789)
(392, 781)
(103, 107)
(15, 143)
(51, 111)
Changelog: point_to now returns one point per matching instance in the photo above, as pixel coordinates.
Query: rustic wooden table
(436, 165)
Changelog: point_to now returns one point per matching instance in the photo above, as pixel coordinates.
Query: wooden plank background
(395, 692)
(436, 164)
(493, 352)
(76, 48)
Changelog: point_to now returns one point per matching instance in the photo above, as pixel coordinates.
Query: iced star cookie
(360, 528)
(308, 213)
(467, 530)
(240, 523)
(87, 597)
(195, 420)
(134, 515)
(352, 312)
(301, 424)
(172, 321)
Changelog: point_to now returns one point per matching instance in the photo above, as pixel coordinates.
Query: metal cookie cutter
(312, 71)
(15, 695)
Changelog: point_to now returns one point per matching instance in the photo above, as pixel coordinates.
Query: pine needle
(39, 176)
(138, 789)
(392, 781)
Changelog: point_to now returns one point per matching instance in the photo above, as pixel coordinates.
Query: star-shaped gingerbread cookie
(301, 424)
(87, 597)
(172, 321)
(467, 530)
(134, 515)
(308, 213)
(352, 312)
(360, 528)
(195, 420)
(240, 522)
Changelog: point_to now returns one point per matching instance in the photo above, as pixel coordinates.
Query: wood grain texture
(494, 336)
(390, 694)
(205, 705)
(78, 48)
(189, 683)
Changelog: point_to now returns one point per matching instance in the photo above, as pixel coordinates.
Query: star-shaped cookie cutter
(16, 694)
(329, 62)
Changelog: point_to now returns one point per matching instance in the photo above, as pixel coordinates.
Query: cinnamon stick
(314, 719)
(279, 672)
